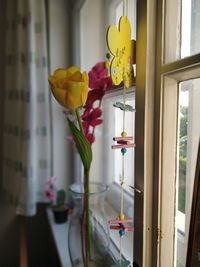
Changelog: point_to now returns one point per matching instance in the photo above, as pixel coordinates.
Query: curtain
(27, 124)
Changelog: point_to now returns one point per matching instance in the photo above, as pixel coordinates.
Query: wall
(93, 35)
(59, 45)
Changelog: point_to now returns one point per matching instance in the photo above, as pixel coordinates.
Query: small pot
(60, 214)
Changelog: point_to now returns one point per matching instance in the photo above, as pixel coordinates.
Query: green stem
(79, 120)
(87, 201)
(87, 207)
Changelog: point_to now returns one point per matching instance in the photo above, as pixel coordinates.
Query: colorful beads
(123, 150)
(121, 216)
(122, 232)
(123, 134)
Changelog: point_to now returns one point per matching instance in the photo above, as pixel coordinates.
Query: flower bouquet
(74, 91)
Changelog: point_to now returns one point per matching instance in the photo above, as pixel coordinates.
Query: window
(177, 128)
(106, 164)
(189, 133)
(181, 40)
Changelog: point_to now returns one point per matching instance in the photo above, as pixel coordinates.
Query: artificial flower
(50, 194)
(93, 95)
(99, 77)
(51, 181)
(99, 83)
(69, 87)
(91, 119)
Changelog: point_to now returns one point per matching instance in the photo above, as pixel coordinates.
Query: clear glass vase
(89, 250)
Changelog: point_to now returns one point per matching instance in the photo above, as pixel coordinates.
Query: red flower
(99, 82)
(91, 119)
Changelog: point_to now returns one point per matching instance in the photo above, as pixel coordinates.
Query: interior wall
(59, 50)
(93, 35)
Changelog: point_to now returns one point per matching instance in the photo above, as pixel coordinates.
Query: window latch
(135, 189)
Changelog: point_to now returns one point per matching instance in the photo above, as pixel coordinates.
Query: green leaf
(82, 144)
(60, 200)
(124, 107)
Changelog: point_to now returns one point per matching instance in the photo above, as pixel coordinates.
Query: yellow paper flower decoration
(123, 50)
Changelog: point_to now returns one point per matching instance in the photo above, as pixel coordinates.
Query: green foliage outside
(182, 157)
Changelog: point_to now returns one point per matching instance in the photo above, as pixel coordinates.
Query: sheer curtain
(27, 124)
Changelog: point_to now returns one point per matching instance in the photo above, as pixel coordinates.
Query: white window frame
(168, 78)
(145, 61)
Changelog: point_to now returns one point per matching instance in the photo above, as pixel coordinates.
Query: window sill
(60, 235)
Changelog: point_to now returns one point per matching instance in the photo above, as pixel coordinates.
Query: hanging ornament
(122, 48)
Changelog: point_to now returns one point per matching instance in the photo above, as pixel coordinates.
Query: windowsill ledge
(60, 235)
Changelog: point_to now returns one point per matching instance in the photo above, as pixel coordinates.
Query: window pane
(189, 133)
(129, 158)
(112, 127)
(182, 31)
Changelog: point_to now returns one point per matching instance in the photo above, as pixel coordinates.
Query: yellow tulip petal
(76, 77)
(60, 95)
(71, 71)
(60, 73)
(69, 87)
(72, 102)
(84, 95)
(75, 89)
(52, 81)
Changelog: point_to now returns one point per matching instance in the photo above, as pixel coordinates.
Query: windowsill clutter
(60, 235)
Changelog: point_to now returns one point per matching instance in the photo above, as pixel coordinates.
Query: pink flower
(90, 137)
(51, 180)
(91, 119)
(50, 194)
(99, 77)
(97, 74)
(93, 95)
(99, 82)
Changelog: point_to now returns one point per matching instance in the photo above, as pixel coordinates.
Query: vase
(98, 247)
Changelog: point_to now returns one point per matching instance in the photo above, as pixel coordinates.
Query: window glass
(129, 157)
(112, 127)
(189, 133)
(182, 31)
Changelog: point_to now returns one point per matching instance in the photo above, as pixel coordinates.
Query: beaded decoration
(122, 49)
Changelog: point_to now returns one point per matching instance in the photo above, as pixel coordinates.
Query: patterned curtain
(27, 127)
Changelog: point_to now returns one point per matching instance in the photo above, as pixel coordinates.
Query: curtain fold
(27, 127)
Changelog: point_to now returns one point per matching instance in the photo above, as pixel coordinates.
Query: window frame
(145, 61)
(171, 73)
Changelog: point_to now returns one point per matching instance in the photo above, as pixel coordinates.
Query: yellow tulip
(69, 87)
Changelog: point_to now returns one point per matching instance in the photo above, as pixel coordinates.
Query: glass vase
(89, 250)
